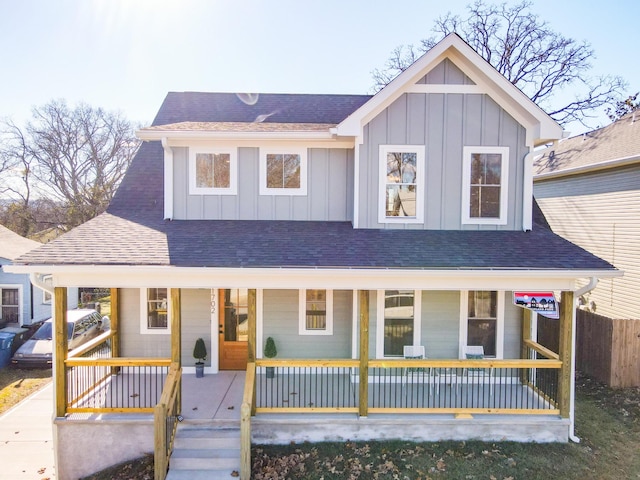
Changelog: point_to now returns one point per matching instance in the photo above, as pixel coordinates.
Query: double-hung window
(484, 189)
(213, 171)
(155, 312)
(482, 320)
(401, 184)
(10, 304)
(316, 312)
(283, 171)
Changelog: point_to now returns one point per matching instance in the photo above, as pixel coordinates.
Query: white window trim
(46, 301)
(144, 326)
(302, 152)
(302, 308)
(419, 150)
(14, 286)
(233, 171)
(466, 185)
(417, 321)
(464, 311)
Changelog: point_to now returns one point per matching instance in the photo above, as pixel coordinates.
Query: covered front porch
(525, 399)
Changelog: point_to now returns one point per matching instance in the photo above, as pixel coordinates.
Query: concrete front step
(205, 452)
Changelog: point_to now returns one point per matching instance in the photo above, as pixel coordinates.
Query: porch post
(565, 353)
(60, 328)
(364, 353)
(114, 322)
(526, 335)
(176, 324)
(251, 338)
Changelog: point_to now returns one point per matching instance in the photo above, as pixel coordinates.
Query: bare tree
(74, 157)
(539, 61)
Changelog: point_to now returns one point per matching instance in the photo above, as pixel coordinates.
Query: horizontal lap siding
(281, 321)
(440, 324)
(196, 323)
(329, 190)
(606, 224)
(132, 342)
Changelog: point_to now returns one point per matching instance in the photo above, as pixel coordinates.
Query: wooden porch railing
(246, 410)
(409, 386)
(165, 421)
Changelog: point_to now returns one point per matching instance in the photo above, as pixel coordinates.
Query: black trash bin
(6, 340)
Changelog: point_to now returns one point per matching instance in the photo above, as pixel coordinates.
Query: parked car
(82, 325)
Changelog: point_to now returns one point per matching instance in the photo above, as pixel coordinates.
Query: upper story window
(401, 183)
(283, 171)
(213, 171)
(484, 189)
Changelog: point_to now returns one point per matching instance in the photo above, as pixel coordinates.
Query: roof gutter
(38, 280)
(618, 162)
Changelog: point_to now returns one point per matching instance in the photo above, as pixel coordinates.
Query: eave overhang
(129, 276)
(596, 167)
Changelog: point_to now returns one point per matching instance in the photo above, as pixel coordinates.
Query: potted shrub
(270, 351)
(200, 354)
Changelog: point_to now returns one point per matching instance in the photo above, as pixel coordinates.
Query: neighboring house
(20, 302)
(346, 227)
(588, 187)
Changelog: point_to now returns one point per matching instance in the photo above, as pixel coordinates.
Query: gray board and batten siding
(329, 190)
(599, 211)
(444, 123)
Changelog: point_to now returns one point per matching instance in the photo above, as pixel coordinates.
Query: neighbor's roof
(613, 145)
(132, 232)
(13, 245)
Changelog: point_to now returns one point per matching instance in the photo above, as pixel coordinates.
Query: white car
(82, 325)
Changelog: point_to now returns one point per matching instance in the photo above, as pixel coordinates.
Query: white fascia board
(618, 162)
(341, 142)
(127, 276)
(540, 127)
(186, 135)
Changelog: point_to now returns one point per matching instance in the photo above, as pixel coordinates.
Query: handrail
(245, 422)
(91, 344)
(541, 349)
(471, 363)
(164, 420)
(119, 362)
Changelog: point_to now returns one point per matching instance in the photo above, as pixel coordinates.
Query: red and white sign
(543, 303)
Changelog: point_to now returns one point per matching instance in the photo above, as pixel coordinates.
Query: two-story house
(346, 228)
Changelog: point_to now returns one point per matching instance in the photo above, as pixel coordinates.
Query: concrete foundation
(86, 446)
(282, 429)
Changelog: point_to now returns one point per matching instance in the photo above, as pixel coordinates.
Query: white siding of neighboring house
(601, 213)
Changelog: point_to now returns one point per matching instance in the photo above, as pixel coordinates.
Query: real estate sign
(543, 303)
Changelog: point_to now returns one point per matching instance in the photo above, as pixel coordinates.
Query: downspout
(527, 191)
(168, 180)
(593, 282)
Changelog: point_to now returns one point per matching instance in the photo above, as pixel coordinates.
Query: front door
(233, 329)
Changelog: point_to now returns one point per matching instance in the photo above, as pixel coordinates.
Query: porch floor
(213, 397)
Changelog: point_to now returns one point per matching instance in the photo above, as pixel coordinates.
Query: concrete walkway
(26, 445)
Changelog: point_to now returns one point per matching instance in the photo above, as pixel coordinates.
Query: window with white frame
(283, 171)
(484, 189)
(155, 311)
(10, 304)
(401, 183)
(316, 312)
(213, 171)
(46, 297)
(482, 320)
(398, 321)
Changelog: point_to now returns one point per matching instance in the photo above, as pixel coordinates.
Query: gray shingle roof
(13, 245)
(270, 107)
(133, 232)
(618, 140)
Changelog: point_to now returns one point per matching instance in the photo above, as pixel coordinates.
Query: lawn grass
(17, 384)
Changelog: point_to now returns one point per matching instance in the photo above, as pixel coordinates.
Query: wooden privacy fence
(606, 349)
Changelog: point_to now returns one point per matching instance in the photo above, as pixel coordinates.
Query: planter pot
(271, 372)
(199, 370)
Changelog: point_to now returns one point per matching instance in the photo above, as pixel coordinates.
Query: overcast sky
(126, 55)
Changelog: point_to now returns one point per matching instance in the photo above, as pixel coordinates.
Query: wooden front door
(233, 329)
